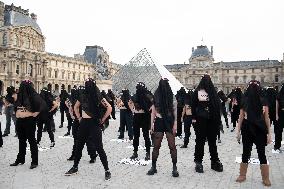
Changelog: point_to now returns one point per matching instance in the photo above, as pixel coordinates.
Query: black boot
(175, 172)
(217, 166)
(107, 175)
(93, 160)
(17, 162)
(153, 169)
(183, 146)
(134, 156)
(147, 158)
(199, 167)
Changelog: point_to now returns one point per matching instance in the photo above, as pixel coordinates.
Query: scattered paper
(65, 137)
(121, 140)
(137, 162)
(253, 161)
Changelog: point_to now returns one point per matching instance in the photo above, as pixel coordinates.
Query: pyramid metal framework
(140, 68)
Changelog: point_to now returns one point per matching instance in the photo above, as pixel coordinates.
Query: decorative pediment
(29, 30)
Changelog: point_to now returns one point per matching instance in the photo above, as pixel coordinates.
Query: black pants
(69, 119)
(278, 130)
(47, 123)
(179, 123)
(1, 139)
(205, 128)
(10, 115)
(90, 128)
(259, 138)
(26, 128)
(126, 119)
(159, 130)
(113, 110)
(225, 114)
(187, 124)
(90, 142)
(141, 120)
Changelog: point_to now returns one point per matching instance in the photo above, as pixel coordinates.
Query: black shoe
(130, 138)
(72, 158)
(16, 135)
(93, 160)
(227, 126)
(147, 158)
(72, 171)
(233, 129)
(217, 166)
(52, 144)
(67, 134)
(134, 156)
(17, 163)
(33, 166)
(107, 175)
(60, 126)
(152, 171)
(121, 137)
(5, 134)
(219, 140)
(175, 172)
(183, 146)
(44, 130)
(199, 168)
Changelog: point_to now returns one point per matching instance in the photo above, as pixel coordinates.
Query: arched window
(62, 75)
(74, 76)
(30, 70)
(55, 73)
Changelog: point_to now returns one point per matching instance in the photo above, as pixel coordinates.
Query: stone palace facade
(227, 75)
(23, 56)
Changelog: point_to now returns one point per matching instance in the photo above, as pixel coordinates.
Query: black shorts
(160, 126)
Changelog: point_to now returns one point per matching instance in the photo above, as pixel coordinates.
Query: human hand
(269, 138)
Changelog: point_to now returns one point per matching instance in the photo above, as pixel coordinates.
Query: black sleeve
(264, 101)
(194, 104)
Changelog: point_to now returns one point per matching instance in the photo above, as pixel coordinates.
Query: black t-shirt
(253, 113)
(280, 102)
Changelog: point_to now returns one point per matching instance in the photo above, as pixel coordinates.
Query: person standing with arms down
(235, 104)
(164, 120)
(28, 105)
(90, 124)
(126, 116)
(51, 105)
(112, 102)
(9, 110)
(187, 117)
(180, 105)
(207, 119)
(254, 126)
(279, 124)
(141, 119)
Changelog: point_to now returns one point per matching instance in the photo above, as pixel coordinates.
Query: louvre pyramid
(141, 68)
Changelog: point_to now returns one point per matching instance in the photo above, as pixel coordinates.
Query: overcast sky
(238, 30)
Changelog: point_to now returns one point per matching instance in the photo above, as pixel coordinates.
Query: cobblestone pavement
(53, 164)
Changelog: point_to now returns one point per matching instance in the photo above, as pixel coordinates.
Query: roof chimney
(211, 50)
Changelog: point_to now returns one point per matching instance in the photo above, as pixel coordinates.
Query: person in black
(111, 96)
(206, 118)
(28, 107)
(126, 116)
(63, 110)
(163, 120)
(141, 119)
(180, 105)
(254, 126)
(279, 117)
(103, 109)
(271, 95)
(90, 124)
(187, 117)
(51, 105)
(75, 95)
(235, 106)
(223, 99)
(9, 110)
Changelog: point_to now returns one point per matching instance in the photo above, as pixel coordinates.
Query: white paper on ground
(64, 137)
(253, 161)
(137, 162)
(276, 152)
(139, 147)
(40, 149)
(121, 140)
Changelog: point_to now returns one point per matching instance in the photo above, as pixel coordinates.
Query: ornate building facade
(23, 55)
(227, 75)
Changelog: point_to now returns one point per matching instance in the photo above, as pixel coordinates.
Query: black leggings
(158, 137)
(48, 128)
(205, 128)
(1, 139)
(26, 128)
(257, 137)
(278, 130)
(187, 124)
(141, 120)
(90, 128)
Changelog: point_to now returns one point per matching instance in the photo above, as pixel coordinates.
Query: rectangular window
(18, 69)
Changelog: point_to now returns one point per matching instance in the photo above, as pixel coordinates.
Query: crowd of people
(88, 110)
